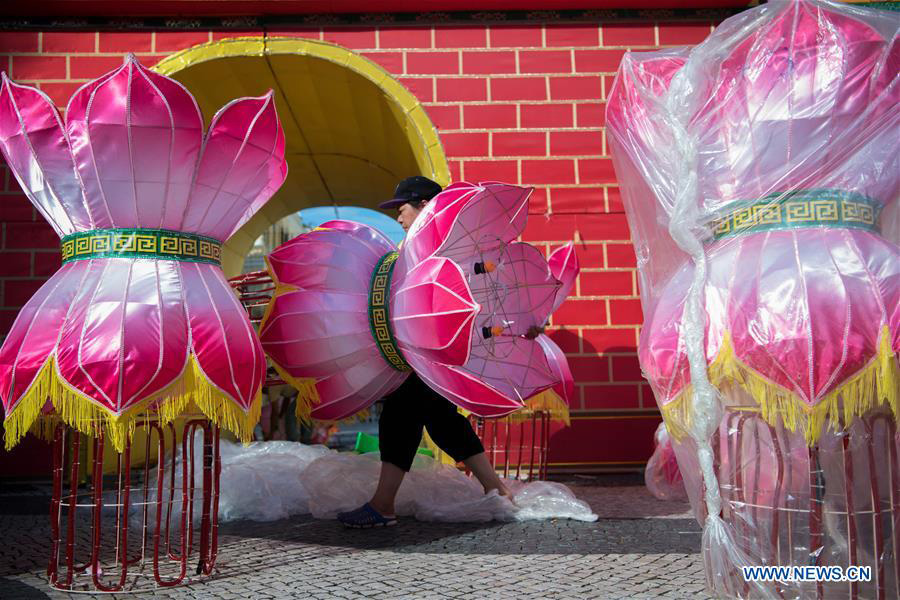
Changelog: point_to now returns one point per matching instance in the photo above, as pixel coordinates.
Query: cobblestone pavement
(640, 548)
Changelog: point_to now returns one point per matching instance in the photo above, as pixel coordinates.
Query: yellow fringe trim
(547, 401)
(220, 408)
(307, 394)
(877, 384)
(82, 413)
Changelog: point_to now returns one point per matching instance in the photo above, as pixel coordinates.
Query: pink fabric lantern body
(140, 316)
(761, 178)
(352, 316)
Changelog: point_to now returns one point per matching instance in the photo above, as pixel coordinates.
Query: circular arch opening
(352, 131)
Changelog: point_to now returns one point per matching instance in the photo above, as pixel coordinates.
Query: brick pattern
(522, 104)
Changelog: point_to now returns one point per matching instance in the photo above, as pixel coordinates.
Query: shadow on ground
(18, 590)
(607, 536)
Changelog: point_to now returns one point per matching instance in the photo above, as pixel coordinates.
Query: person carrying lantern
(458, 311)
(414, 406)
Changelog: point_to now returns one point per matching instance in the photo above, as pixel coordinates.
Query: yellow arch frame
(428, 152)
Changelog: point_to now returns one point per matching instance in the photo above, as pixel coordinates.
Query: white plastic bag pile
(266, 481)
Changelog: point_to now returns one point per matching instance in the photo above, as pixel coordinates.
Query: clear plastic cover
(267, 481)
(760, 175)
(662, 477)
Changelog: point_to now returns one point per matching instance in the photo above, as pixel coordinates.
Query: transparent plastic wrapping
(267, 481)
(760, 175)
(662, 476)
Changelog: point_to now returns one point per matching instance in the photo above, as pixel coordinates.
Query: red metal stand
(160, 501)
(517, 443)
(838, 510)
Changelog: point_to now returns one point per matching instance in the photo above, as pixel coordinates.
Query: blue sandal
(365, 517)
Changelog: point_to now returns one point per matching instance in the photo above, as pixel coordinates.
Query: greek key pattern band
(804, 208)
(141, 243)
(379, 315)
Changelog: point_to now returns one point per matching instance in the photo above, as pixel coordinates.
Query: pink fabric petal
(223, 341)
(463, 389)
(33, 336)
(35, 147)
(317, 334)
(329, 259)
(79, 115)
(81, 358)
(347, 392)
(559, 366)
(520, 293)
(127, 338)
(466, 223)
(515, 366)
(374, 239)
(769, 291)
(564, 266)
(241, 166)
(827, 70)
(433, 313)
(106, 142)
(155, 321)
(430, 228)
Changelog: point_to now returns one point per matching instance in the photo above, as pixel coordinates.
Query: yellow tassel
(221, 409)
(307, 394)
(677, 414)
(81, 412)
(875, 385)
(28, 409)
(547, 401)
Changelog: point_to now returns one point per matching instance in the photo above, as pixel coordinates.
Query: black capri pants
(413, 406)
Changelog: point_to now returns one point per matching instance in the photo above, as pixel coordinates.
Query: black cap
(412, 189)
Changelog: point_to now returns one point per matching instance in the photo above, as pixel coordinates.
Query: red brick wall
(522, 104)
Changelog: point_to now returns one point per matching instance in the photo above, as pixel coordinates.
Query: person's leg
(388, 485)
(485, 474)
(454, 434)
(399, 434)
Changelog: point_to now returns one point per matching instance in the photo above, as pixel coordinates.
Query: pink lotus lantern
(140, 317)
(352, 316)
(761, 180)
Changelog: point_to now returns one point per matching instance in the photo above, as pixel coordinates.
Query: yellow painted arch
(352, 130)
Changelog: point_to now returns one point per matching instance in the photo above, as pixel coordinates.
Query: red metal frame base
(516, 444)
(160, 504)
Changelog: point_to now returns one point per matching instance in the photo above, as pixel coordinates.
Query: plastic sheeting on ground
(266, 481)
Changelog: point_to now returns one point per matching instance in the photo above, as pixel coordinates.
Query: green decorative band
(802, 208)
(141, 243)
(379, 315)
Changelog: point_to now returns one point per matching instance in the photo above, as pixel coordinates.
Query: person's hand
(533, 332)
